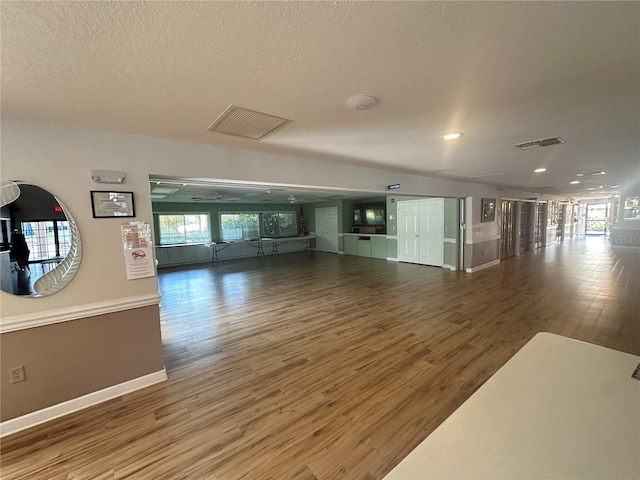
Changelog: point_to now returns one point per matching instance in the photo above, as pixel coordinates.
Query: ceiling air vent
(547, 142)
(243, 122)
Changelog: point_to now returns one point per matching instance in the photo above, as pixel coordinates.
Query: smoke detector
(361, 102)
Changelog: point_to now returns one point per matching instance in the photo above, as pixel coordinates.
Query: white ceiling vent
(246, 123)
(547, 142)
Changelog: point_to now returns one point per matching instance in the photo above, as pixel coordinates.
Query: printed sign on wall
(138, 250)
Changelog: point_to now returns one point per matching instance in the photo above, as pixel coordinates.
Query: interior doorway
(596, 219)
(421, 231)
(507, 229)
(562, 218)
(540, 227)
(327, 229)
(527, 216)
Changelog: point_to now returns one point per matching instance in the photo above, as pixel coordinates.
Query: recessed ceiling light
(540, 170)
(451, 136)
(575, 182)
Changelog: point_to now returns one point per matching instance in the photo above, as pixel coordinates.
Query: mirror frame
(59, 276)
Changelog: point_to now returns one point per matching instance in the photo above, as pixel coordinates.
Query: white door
(408, 231)
(327, 229)
(431, 232)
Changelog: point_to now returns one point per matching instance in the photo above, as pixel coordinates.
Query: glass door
(596, 222)
(540, 228)
(507, 234)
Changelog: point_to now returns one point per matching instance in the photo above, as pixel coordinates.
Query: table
(276, 242)
(219, 246)
(560, 408)
(47, 263)
(259, 243)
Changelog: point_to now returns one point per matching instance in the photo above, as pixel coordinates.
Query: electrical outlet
(16, 374)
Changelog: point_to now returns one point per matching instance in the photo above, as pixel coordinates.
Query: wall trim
(392, 259)
(39, 319)
(29, 420)
(450, 240)
(490, 238)
(392, 237)
(485, 265)
(450, 267)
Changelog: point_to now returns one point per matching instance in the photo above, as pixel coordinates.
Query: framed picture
(488, 209)
(107, 204)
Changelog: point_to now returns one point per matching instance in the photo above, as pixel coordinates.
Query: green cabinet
(379, 247)
(373, 246)
(364, 246)
(349, 244)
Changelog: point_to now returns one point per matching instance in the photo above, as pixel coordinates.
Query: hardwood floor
(320, 366)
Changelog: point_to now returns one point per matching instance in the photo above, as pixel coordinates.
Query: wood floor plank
(313, 366)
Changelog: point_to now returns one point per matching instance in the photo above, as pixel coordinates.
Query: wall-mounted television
(370, 214)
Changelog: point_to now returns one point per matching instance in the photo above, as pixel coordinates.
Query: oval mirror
(41, 248)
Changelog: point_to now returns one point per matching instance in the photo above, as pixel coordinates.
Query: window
(183, 228)
(252, 225)
(239, 226)
(632, 208)
(280, 224)
(47, 239)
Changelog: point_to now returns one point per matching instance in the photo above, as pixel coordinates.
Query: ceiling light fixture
(589, 174)
(540, 170)
(575, 182)
(451, 135)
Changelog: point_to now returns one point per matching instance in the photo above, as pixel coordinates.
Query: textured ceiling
(500, 72)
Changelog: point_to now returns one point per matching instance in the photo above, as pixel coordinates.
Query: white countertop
(559, 409)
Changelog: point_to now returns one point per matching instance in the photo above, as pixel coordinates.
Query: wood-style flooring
(319, 366)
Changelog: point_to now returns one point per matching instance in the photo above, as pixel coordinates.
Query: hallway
(321, 366)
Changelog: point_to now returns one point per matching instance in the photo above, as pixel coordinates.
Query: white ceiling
(500, 72)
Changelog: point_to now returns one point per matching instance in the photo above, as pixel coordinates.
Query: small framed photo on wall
(488, 209)
(107, 204)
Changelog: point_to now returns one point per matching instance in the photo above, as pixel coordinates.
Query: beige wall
(70, 359)
(477, 254)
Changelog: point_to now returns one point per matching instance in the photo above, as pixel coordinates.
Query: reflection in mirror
(40, 243)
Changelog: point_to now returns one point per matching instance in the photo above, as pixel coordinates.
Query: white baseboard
(392, 259)
(65, 408)
(450, 267)
(480, 267)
